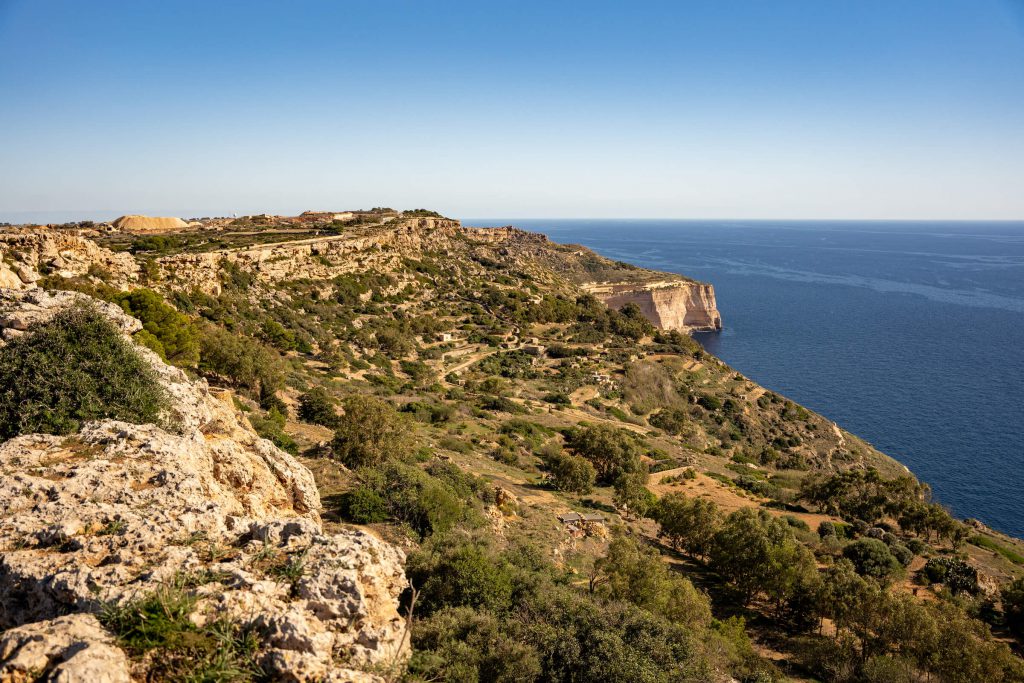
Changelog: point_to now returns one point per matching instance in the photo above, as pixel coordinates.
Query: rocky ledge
(120, 511)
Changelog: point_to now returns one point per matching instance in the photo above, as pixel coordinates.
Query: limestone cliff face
(671, 305)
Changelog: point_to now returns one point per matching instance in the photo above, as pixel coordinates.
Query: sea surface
(908, 334)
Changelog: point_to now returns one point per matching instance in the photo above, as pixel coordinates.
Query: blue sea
(908, 334)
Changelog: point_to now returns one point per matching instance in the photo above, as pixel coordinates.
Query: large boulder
(120, 511)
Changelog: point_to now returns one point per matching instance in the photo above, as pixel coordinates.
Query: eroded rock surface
(120, 510)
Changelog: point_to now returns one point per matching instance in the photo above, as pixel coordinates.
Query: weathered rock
(68, 649)
(670, 305)
(120, 510)
(64, 253)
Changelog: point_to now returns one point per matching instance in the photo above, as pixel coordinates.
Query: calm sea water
(909, 334)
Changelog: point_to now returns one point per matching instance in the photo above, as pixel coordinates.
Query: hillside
(581, 491)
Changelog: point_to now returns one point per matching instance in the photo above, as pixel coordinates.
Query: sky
(851, 109)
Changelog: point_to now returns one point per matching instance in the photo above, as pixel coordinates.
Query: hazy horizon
(794, 110)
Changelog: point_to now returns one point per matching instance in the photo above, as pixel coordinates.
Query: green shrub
(74, 368)
(363, 506)
(872, 557)
(570, 472)
(370, 432)
(271, 427)
(172, 335)
(424, 503)
(243, 362)
(612, 451)
(317, 407)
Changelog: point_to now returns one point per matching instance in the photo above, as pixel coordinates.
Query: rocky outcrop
(119, 511)
(27, 254)
(670, 305)
(319, 258)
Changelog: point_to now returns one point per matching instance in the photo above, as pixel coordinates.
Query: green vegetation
(317, 407)
(159, 621)
(242, 363)
(74, 368)
(989, 544)
(370, 432)
(172, 335)
(611, 451)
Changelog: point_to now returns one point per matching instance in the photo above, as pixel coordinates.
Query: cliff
(670, 302)
(671, 305)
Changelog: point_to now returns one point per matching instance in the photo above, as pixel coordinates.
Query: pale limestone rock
(8, 278)
(682, 305)
(68, 649)
(119, 510)
(65, 253)
(26, 274)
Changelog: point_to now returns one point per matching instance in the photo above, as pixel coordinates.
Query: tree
(370, 432)
(756, 553)
(633, 572)
(871, 557)
(571, 472)
(688, 523)
(631, 493)
(612, 451)
(243, 362)
(317, 407)
(172, 335)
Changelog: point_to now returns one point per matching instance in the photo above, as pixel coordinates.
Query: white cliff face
(120, 510)
(670, 305)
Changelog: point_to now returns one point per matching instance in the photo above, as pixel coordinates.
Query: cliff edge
(686, 306)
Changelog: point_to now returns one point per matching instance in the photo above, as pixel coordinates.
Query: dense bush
(1013, 606)
(271, 426)
(612, 451)
(370, 432)
(570, 472)
(872, 557)
(957, 575)
(171, 334)
(426, 504)
(242, 362)
(512, 617)
(688, 523)
(73, 368)
(756, 553)
(317, 407)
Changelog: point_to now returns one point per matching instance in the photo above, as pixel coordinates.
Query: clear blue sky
(821, 108)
